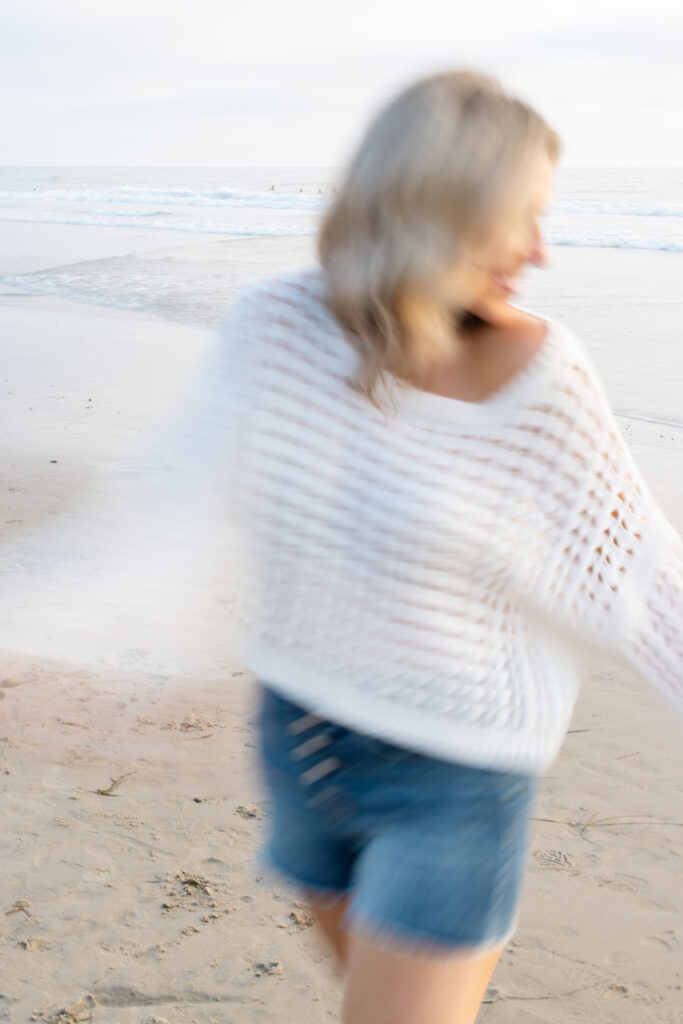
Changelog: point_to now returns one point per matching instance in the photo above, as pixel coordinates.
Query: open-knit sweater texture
(428, 573)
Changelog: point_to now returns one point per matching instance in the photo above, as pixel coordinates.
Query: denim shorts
(430, 853)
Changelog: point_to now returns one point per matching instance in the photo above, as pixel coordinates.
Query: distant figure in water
(439, 510)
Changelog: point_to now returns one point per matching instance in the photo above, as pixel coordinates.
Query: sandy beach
(132, 807)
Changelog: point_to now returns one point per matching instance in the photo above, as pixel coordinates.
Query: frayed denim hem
(397, 938)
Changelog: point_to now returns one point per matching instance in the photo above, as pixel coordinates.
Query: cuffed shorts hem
(398, 938)
(394, 937)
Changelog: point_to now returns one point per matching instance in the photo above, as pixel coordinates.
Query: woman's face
(522, 243)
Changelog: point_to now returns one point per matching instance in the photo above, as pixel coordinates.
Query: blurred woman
(435, 507)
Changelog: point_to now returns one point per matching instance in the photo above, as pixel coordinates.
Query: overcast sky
(266, 82)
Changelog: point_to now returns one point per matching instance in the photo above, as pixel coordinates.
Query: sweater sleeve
(599, 562)
(203, 440)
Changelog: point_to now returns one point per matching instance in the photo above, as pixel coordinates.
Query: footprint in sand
(667, 940)
(267, 967)
(560, 860)
(554, 859)
(620, 883)
(249, 811)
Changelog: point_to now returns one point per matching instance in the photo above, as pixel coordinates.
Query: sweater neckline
(409, 399)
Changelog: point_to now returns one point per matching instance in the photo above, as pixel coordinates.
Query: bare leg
(398, 988)
(328, 919)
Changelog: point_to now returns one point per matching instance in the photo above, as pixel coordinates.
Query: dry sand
(131, 808)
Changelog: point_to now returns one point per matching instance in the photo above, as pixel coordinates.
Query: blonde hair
(438, 173)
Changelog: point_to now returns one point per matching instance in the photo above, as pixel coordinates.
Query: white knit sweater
(426, 575)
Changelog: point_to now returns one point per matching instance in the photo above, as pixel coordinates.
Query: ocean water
(180, 242)
(232, 201)
(216, 227)
(632, 208)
